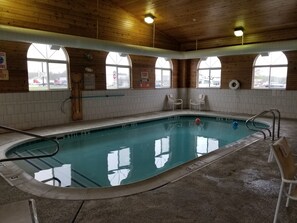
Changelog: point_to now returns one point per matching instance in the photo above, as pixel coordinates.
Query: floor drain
(14, 177)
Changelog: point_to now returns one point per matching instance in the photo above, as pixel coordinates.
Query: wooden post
(76, 97)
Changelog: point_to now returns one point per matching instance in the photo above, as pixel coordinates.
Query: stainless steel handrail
(259, 129)
(55, 141)
(90, 96)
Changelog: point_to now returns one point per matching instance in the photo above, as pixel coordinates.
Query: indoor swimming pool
(127, 153)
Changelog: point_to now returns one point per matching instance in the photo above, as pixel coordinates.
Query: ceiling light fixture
(149, 18)
(238, 31)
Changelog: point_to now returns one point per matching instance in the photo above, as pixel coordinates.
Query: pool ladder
(251, 124)
(55, 141)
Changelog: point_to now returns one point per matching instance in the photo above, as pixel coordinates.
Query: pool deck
(240, 186)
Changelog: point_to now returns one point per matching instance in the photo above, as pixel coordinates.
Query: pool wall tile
(36, 109)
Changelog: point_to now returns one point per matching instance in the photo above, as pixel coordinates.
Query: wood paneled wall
(184, 71)
(292, 70)
(241, 68)
(143, 64)
(16, 57)
(95, 19)
(16, 54)
(268, 36)
(80, 59)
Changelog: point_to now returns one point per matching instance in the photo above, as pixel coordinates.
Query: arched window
(270, 71)
(47, 67)
(163, 70)
(209, 73)
(118, 71)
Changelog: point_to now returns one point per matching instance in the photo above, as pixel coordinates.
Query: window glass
(118, 71)
(47, 68)
(270, 71)
(163, 73)
(209, 73)
(58, 75)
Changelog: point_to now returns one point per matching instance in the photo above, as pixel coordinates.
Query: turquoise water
(129, 153)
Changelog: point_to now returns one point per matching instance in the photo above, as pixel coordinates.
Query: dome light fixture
(238, 31)
(149, 18)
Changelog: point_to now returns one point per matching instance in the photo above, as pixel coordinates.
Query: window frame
(117, 66)
(209, 69)
(162, 76)
(47, 65)
(270, 67)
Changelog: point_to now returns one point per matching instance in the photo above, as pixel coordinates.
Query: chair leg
(278, 202)
(289, 192)
(270, 157)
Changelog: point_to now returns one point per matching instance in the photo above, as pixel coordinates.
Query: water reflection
(125, 155)
(161, 151)
(57, 176)
(205, 145)
(118, 162)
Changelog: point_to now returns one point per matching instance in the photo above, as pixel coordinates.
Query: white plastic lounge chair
(174, 101)
(200, 101)
(288, 169)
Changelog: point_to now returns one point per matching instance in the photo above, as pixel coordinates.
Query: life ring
(234, 84)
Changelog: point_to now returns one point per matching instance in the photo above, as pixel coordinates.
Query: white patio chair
(200, 101)
(288, 170)
(174, 101)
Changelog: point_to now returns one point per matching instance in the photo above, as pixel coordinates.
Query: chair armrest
(179, 100)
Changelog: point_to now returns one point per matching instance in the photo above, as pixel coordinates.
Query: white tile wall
(249, 101)
(131, 102)
(35, 109)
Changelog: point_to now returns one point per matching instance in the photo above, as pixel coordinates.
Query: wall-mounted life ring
(234, 84)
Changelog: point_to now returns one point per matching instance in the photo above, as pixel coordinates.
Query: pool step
(33, 166)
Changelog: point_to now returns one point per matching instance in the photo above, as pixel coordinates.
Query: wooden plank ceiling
(210, 23)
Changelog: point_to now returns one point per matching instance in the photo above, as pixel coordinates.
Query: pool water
(128, 153)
